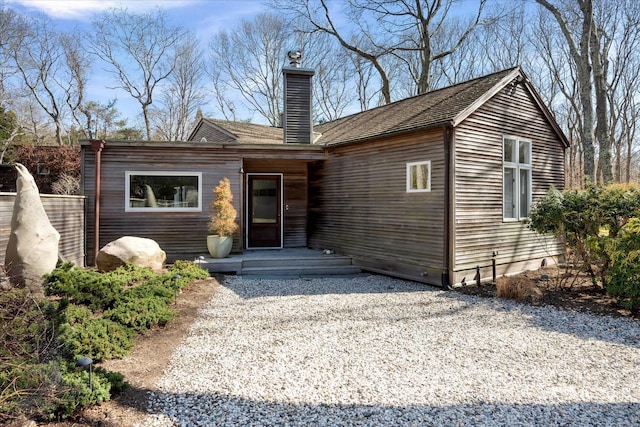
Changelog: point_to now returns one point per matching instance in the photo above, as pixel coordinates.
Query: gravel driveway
(370, 350)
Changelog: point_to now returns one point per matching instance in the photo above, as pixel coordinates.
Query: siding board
(182, 235)
(479, 227)
(360, 205)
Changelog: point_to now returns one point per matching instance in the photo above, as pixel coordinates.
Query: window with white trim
(419, 176)
(516, 162)
(163, 191)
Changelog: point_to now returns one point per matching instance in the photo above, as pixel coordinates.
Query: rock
(32, 250)
(131, 250)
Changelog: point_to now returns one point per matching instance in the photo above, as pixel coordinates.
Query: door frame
(249, 175)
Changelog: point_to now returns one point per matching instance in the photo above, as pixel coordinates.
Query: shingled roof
(433, 108)
(449, 105)
(224, 131)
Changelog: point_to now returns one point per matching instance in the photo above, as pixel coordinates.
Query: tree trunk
(600, 66)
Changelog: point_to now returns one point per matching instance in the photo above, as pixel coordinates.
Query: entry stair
(284, 262)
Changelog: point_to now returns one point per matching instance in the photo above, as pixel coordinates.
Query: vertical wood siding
(359, 206)
(478, 224)
(182, 235)
(294, 195)
(66, 214)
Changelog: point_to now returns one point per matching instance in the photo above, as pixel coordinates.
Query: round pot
(219, 246)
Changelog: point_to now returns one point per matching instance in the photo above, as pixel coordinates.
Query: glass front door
(264, 211)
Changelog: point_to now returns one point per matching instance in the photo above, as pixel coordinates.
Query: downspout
(447, 133)
(97, 145)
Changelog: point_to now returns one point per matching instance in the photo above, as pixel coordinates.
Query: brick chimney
(297, 120)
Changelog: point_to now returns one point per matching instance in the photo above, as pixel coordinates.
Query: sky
(204, 17)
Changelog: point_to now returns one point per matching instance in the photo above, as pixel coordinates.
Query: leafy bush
(624, 274)
(587, 221)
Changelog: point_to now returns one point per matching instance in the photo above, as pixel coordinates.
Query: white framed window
(419, 176)
(155, 191)
(516, 190)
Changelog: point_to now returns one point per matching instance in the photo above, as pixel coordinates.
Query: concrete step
(300, 270)
(320, 260)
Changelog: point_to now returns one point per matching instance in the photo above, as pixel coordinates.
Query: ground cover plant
(85, 314)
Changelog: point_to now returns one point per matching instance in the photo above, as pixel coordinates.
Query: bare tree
(78, 66)
(589, 44)
(381, 29)
(221, 88)
(250, 59)
(141, 49)
(183, 96)
(39, 61)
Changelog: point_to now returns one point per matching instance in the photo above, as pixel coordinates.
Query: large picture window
(516, 194)
(419, 177)
(163, 191)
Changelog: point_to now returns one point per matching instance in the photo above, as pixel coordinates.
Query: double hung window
(516, 193)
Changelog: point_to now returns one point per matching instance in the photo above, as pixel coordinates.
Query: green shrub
(53, 390)
(624, 274)
(587, 221)
(96, 338)
(93, 314)
(188, 270)
(83, 287)
(141, 314)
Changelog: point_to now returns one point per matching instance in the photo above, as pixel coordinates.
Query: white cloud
(85, 9)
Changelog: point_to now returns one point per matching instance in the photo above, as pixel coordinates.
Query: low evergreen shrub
(96, 338)
(90, 314)
(141, 314)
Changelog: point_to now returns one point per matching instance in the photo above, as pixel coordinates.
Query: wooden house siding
(66, 214)
(359, 206)
(182, 235)
(479, 229)
(294, 195)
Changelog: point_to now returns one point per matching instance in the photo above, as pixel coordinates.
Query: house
(435, 188)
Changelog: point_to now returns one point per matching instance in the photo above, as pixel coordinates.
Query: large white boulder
(131, 250)
(32, 250)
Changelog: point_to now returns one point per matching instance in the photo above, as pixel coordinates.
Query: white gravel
(370, 350)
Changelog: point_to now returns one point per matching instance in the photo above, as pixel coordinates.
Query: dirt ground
(143, 367)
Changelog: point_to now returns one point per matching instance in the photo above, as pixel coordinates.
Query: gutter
(447, 133)
(97, 145)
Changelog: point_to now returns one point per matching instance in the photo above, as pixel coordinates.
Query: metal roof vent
(294, 58)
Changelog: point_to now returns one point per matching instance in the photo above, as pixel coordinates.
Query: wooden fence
(67, 215)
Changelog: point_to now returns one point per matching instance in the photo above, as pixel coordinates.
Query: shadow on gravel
(583, 325)
(214, 409)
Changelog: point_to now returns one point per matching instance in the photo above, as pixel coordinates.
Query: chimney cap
(294, 58)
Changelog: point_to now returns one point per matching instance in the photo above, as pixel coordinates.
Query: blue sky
(203, 17)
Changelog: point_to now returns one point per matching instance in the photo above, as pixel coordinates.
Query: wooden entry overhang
(286, 172)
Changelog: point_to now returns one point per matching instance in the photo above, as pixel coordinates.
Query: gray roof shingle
(419, 112)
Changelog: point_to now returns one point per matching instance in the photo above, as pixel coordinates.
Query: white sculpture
(32, 250)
